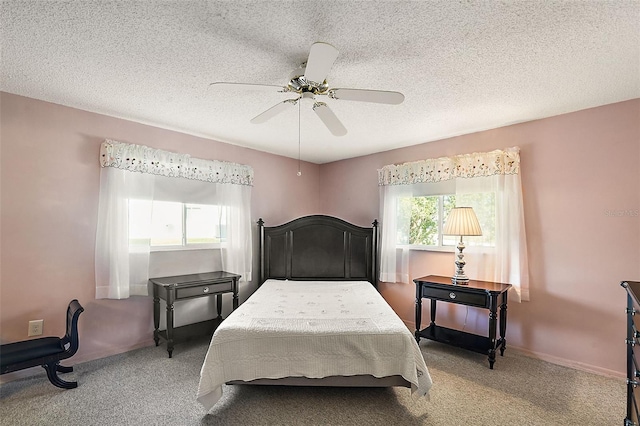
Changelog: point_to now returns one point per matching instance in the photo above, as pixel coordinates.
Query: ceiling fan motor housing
(298, 83)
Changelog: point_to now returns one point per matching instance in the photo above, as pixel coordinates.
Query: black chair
(45, 351)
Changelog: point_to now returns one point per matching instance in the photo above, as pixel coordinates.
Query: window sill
(186, 248)
(445, 249)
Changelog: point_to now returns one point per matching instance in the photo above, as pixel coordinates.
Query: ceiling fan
(308, 81)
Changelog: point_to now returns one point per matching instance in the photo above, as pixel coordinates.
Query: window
(426, 216)
(174, 225)
(489, 182)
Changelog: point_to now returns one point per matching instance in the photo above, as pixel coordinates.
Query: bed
(316, 319)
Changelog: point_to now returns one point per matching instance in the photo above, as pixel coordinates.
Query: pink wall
(49, 182)
(576, 168)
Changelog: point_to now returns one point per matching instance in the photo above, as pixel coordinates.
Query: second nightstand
(481, 294)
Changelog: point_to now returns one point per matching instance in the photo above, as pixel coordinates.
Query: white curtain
(121, 269)
(394, 259)
(237, 251)
(142, 173)
(496, 171)
(506, 261)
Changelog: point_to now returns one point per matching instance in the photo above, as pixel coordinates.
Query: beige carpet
(144, 387)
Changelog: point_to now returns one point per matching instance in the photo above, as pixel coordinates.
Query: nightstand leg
(170, 299)
(492, 330)
(235, 294)
(156, 315)
(433, 311)
(219, 305)
(503, 323)
(418, 315)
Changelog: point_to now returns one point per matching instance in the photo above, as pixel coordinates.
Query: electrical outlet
(35, 327)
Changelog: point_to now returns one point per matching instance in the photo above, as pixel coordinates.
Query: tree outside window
(422, 218)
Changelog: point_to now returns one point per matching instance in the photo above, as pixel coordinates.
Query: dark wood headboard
(318, 248)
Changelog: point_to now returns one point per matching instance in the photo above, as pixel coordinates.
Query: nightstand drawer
(186, 292)
(457, 295)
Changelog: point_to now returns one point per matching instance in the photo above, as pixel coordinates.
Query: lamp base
(460, 280)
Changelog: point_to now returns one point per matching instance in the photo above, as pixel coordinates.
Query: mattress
(312, 329)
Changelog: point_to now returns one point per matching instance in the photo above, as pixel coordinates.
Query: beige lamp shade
(462, 221)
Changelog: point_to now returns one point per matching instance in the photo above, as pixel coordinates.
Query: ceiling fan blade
(273, 111)
(329, 119)
(321, 59)
(232, 83)
(377, 96)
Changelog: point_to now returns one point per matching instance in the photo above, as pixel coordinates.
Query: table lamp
(462, 221)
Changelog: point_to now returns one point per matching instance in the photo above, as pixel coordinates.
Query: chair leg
(52, 374)
(63, 369)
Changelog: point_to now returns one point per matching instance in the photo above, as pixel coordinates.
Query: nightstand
(181, 287)
(480, 294)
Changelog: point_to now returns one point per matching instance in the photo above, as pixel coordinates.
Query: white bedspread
(311, 329)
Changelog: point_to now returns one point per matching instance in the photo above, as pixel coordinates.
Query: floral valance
(460, 166)
(144, 159)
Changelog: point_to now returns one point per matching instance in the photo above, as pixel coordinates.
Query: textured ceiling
(463, 66)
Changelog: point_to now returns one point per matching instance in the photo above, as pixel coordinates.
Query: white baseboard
(568, 363)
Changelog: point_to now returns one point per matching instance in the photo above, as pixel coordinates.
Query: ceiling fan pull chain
(299, 107)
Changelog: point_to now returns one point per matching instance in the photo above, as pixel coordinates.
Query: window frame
(184, 246)
(440, 247)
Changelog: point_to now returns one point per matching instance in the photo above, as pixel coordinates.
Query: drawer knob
(205, 290)
(452, 295)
